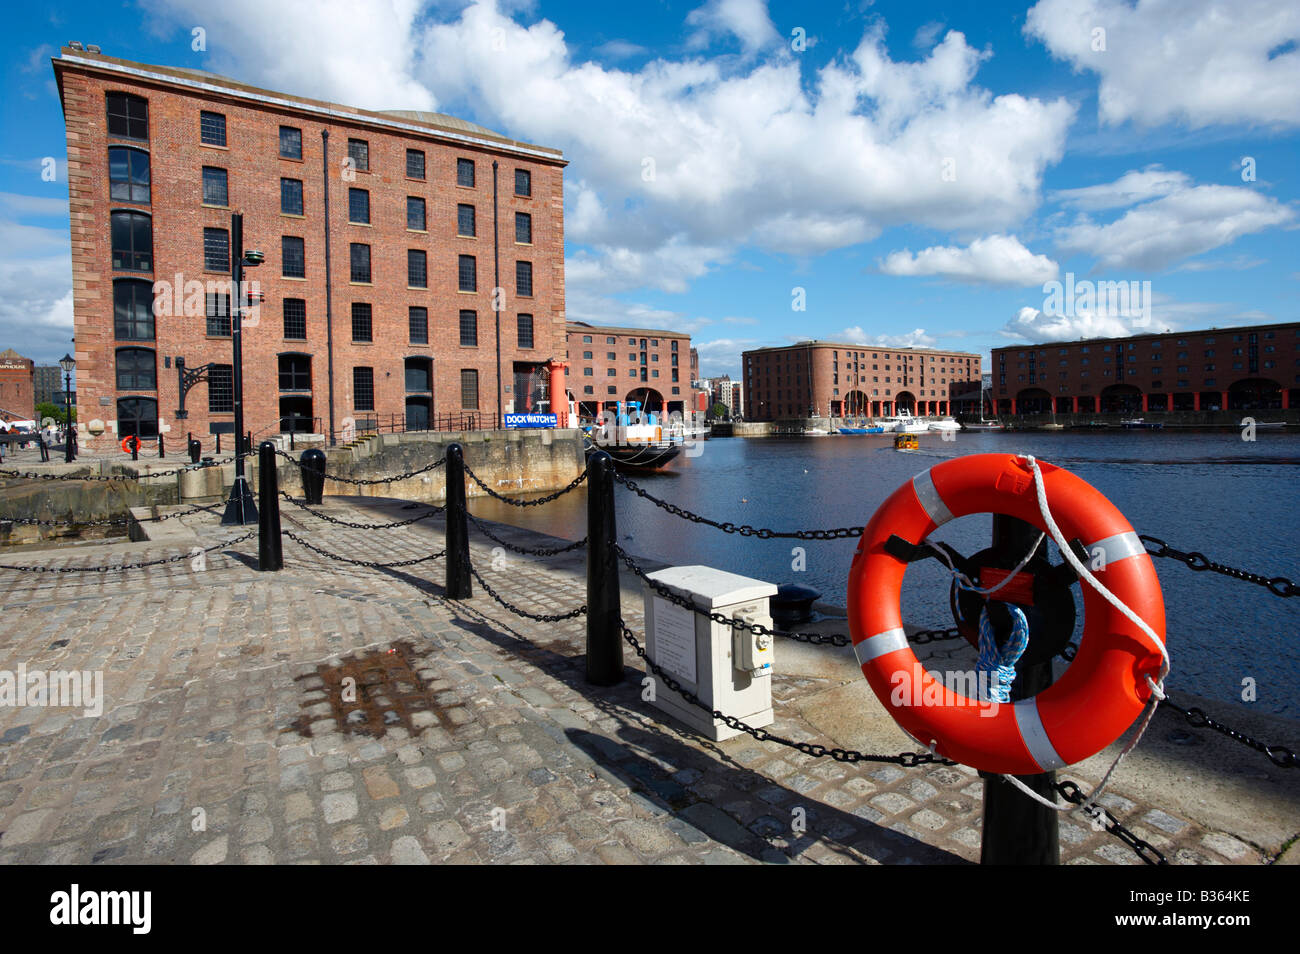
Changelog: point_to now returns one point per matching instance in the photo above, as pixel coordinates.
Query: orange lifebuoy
(126, 443)
(1105, 687)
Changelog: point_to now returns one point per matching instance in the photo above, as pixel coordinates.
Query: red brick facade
(286, 358)
(820, 379)
(17, 387)
(610, 364)
(1219, 369)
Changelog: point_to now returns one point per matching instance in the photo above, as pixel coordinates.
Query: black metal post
(1018, 830)
(313, 475)
(604, 638)
(270, 555)
(218, 442)
(68, 455)
(458, 576)
(161, 455)
(195, 448)
(135, 446)
(240, 508)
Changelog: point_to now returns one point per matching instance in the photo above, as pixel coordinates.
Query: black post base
(240, 508)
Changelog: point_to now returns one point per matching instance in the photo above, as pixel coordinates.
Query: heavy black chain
(108, 521)
(539, 617)
(366, 563)
(1144, 850)
(364, 481)
(526, 551)
(361, 526)
(816, 750)
(33, 475)
(841, 533)
(1279, 755)
(1277, 585)
(129, 566)
(526, 503)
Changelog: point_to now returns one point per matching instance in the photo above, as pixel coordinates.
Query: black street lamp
(67, 364)
(239, 508)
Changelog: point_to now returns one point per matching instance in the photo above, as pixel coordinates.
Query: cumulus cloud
(1129, 189)
(912, 339)
(746, 20)
(1031, 324)
(995, 259)
(1196, 61)
(722, 355)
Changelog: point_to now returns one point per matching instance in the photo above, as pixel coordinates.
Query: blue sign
(530, 420)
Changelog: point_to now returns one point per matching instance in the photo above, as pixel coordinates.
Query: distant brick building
(1255, 367)
(728, 393)
(49, 384)
(608, 364)
(820, 379)
(17, 387)
(379, 311)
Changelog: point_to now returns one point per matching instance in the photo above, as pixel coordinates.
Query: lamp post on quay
(239, 508)
(67, 364)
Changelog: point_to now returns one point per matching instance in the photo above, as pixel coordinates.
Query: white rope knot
(1157, 688)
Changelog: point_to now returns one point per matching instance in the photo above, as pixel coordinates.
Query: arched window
(132, 241)
(136, 369)
(133, 310)
(128, 175)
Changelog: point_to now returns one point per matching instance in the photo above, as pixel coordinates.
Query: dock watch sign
(530, 420)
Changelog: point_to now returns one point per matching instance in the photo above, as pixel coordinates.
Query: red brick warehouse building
(1219, 369)
(610, 364)
(17, 387)
(380, 256)
(821, 378)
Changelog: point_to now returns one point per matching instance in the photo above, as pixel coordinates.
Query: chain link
(366, 563)
(363, 481)
(129, 566)
(301, 505)
(539, 617)
(526, 551)
(1145, 850)
(841, 533)
(1279, 755)
(108, 521)
(34, 475)
(573, 484)
(1277, 585)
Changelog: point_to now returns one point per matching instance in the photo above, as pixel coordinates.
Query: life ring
(126, 443)
(1105, 687)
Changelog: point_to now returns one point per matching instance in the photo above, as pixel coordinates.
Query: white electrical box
(728, 668)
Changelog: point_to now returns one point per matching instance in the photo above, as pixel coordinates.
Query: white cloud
(722, 355)
(746, 20)
(1032, 325)
(1177, 226)
(994, 259)
(913, 339)
(1195, 61)
(1129, 189)
(926, 34)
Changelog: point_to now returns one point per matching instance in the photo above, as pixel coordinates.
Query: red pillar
(1074, 405)
(1196, 400)
(1223, 400)
(559, 395)
(1013, 407)
(1286, 399)
(1144, 402)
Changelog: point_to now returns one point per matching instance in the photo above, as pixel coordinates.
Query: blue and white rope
(1001, 663)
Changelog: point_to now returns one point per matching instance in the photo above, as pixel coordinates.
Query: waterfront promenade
(478, 739)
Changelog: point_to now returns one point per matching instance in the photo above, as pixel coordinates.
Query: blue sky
(914, 174)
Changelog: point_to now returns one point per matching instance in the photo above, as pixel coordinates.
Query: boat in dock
(636, 440)
(1138, 423)
(904, 424)
(859, 427)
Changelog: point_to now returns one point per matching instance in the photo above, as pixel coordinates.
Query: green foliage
(56, 411)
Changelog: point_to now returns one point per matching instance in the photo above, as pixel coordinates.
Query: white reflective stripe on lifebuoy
(1113, 549)
(929, 498)
(1032, 733)
(876, 646)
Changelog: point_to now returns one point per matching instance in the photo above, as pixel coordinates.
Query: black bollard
(458, 575)
(218, 442)
(196, 450)
(604, 637)
(160, 447)
(1018, 830)
(313, 474)
(134, 441)
(270, 555)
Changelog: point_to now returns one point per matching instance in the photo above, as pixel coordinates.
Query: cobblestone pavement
(224, 738)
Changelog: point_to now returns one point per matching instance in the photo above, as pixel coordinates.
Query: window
(221, 389)
(589, 389)
(611, 373)
(525, 331)
(128, 116)
(611, 356)
(295, 372)
(136, 369)
(216, 313)
(361, 322)
(418, 320)
(414, 164)
(291, 196)
(359, 206)
(212, 129)
(359, 153)
(469, 389)
(465, 221)
(586, 355)
(586, 372)
(133, 310)
(467, 273)
(290, 142)
(523, 228)
(295, 318)
(216, 250)
(128, 175)
(360, 263)
(132, 241)
(469, 329)
(293, 257)
(612, 389)
(418, 375)
(363, 389)
(465, 177)
(523, 182)
(524, 279)
(215, 191)
(415, 213)
(417, 268)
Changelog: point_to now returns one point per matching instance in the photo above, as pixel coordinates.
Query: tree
(56, 411)
(718, 411)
